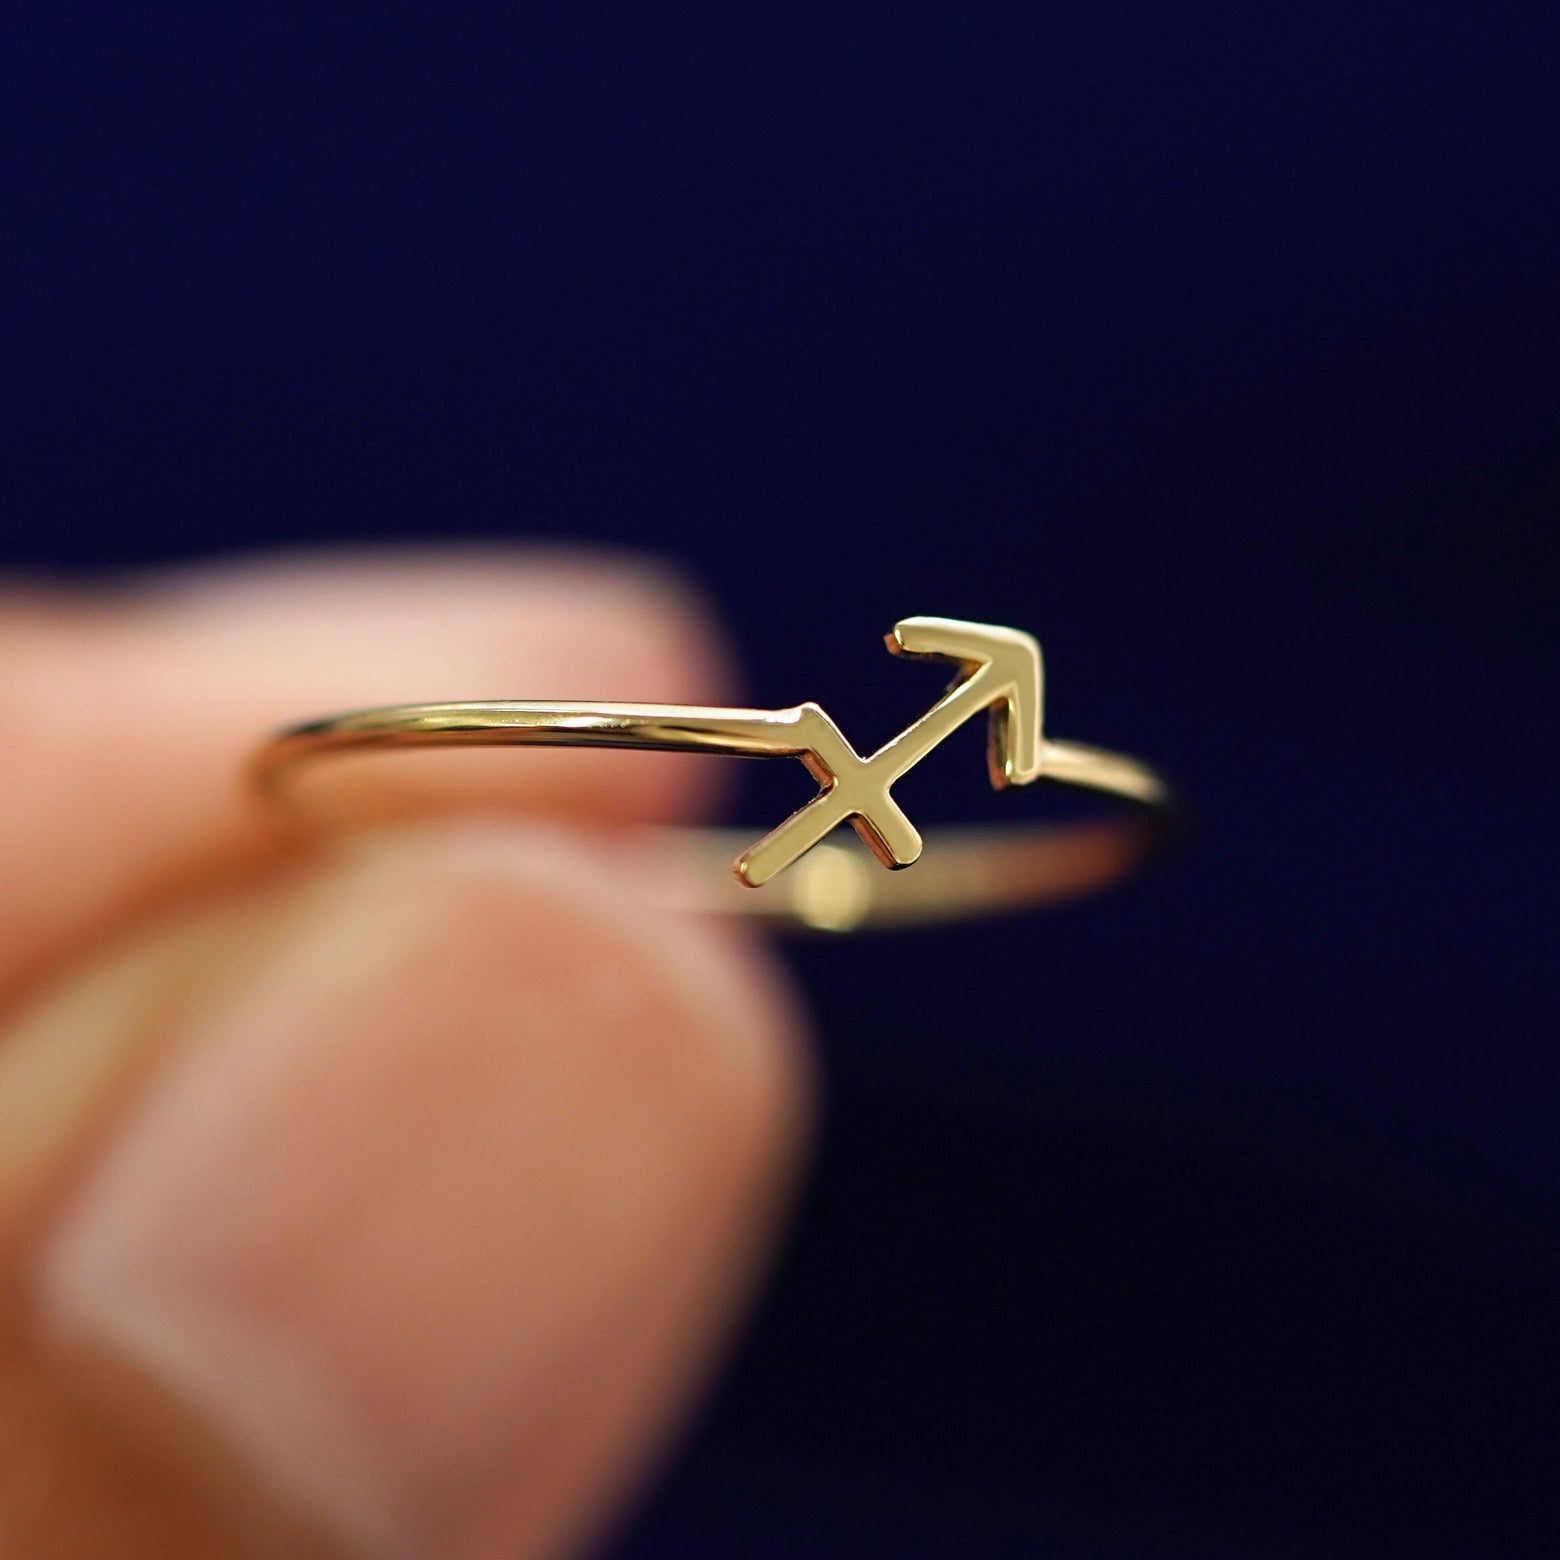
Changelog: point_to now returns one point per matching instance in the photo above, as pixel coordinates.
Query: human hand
(387, 1200)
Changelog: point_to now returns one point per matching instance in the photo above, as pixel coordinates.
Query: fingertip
(133, 710)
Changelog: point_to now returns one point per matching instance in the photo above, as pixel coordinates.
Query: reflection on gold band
(967, 873)
(970, 872)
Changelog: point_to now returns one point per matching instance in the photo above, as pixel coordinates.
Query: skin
(387, 1197)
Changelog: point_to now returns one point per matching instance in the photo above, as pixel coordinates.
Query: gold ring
(968, 871)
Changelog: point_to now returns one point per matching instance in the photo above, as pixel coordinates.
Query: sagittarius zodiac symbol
(999, 669)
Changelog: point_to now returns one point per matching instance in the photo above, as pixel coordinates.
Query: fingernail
(401, 1193)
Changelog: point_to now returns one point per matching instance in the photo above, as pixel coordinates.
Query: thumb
(392, 1216)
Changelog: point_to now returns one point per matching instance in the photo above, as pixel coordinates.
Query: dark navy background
(1215, 343)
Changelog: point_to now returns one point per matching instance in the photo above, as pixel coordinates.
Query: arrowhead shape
(1006, 662)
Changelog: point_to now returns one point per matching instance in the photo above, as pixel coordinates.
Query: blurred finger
(127, 716)
(418, 1238)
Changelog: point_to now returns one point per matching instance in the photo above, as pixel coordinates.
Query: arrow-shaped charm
(1000, 670)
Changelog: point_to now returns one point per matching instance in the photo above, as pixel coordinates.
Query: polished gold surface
(972, 871)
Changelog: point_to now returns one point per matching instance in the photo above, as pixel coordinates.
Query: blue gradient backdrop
(1215, 343)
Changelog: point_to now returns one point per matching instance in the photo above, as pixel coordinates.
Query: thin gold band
(968, 871)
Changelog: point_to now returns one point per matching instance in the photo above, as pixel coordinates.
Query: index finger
(129, 712)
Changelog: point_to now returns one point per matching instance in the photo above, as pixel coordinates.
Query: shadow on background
(1214, 345)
